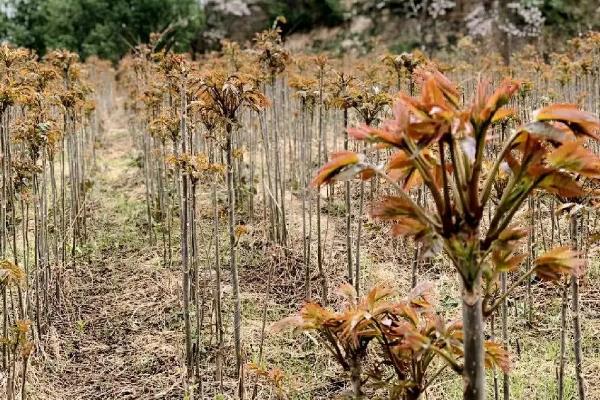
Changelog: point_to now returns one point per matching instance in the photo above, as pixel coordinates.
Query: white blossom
(479, 22)
(522, 18)
(529, 16)
(238, 8)
(438, 8)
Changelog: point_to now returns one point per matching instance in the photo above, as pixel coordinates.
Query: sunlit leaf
(545, 131)
(427, 131)
(405, 310)
(422, 295)
(574, 157)
(343, 165)
(414, 340)
(405, 106)
(314, 315)
(583, 123)
(504, 114)
(376, 294)
(498, 99)
(449, 89)
(512, 234)
(561, 185)
(504, 261)
(406, 226)
(401, 167)
(558, 262)
(376, 135)
(353, 326)
(10, 273)
(392, 207)
(497, 356)
(399, 160)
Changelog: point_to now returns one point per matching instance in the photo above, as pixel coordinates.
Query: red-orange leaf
(376, 294)
(503, 114)
(574, 157)
(545, 131)
(448, 88)
(496, 355)
(314, 315)
(512, 234)
(431, 94)
(558, 262)
(406, 104)
(406, 226)
(399, 160)
(426, 131)
(505, 262)
(503, 256)
(346, 162)
(499, 98)
(392, 208)
(376, 135)
(562, 185)
(401, 167)
(422, 295)
(414, 340)
(583, 123)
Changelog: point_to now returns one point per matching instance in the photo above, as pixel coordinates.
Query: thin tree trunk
(577, 337)
(185, 234)
(563, 333)
(218, 314)
(495, 372)
(348, 209)
(232, 263)
(304, 193)
(264, 322)
(321, 154)
(355, 372)
(504, 310)
(358, 237)
(474, 372)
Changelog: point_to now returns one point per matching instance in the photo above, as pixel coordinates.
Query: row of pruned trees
(47, 136)
(450, 168)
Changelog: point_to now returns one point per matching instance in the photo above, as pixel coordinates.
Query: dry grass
(119, 335)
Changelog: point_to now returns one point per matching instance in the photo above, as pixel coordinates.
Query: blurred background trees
(108, 28)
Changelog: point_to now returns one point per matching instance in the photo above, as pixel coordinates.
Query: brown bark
(474, 372)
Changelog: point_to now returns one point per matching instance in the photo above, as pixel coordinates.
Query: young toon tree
(413, 343)
(443, 145)
(225, 95)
